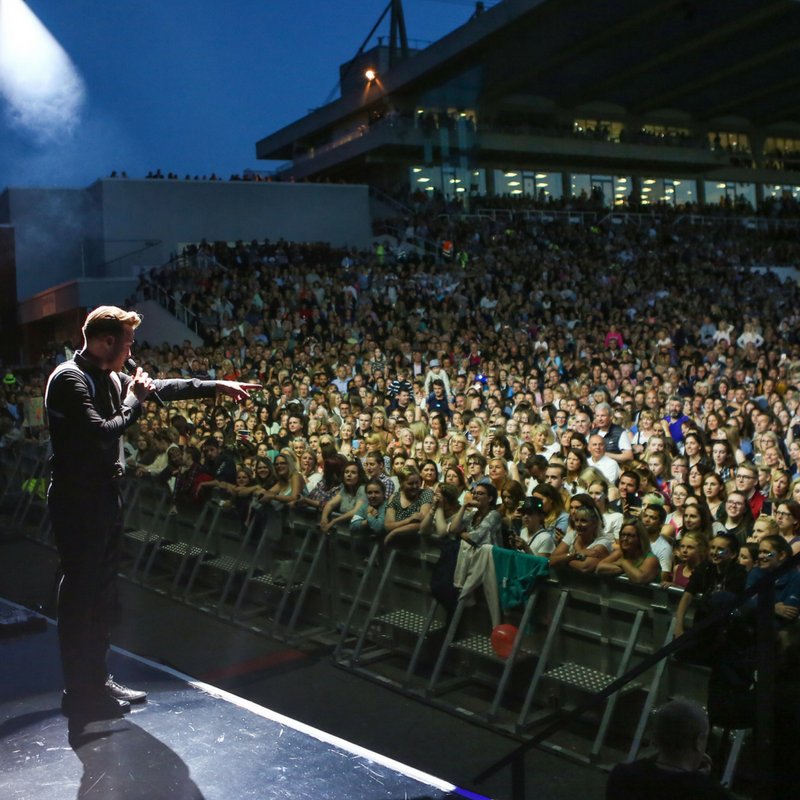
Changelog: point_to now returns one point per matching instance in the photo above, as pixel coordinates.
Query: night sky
(181, 85)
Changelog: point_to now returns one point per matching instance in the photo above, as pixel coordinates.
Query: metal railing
(763, 589)
(573, 217)
(301, 583)
(168, 300)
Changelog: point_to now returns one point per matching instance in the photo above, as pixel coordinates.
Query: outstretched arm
(188, 388)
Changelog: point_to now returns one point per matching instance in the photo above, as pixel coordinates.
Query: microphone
(130, 365)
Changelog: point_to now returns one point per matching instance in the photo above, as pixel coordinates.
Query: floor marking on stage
(260, 664)
(315, 733)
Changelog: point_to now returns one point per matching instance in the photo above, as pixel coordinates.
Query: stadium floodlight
(370, 74)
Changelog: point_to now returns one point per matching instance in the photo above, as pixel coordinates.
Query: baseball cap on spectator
(435, 362)
(532, 505)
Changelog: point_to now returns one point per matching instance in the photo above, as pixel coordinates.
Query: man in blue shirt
(675, 418)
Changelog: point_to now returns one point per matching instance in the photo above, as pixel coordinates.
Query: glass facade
(448, 180)
(610, 189)
(781, 190)
(675, 191)
(529, 183)
(730, 191)
(613, 190)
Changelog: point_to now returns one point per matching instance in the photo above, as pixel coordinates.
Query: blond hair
(109, 321)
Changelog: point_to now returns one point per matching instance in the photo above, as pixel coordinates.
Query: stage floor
(190, 741)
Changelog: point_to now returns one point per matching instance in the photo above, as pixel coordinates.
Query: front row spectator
(370, 515)
(408, 507)
(288, 484)
(773, 551)
(326, 489)
(478, 522)
(692, 551)
(680, 768)
(348, 499)
(712, 583)
(633, 558)
(534, 536)
(585, 544)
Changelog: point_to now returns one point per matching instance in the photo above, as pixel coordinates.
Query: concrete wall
(116, 227)
(159, 326)
(159, 216)
(50, 228)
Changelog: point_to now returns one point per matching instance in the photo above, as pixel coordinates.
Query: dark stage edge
(191, 741)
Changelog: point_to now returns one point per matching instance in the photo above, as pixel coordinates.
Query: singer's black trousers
(87, 524)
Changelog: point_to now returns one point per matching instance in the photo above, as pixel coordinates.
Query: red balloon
(503, 637)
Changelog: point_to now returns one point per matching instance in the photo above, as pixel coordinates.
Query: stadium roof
(729, 63)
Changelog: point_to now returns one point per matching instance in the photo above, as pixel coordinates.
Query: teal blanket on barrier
(517, 574)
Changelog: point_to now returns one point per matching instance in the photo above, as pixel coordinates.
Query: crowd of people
(622, 400)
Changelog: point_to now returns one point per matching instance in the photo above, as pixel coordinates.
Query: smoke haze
(42, 92)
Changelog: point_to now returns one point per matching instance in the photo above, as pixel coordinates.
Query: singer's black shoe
(92, 705)
(123, 693)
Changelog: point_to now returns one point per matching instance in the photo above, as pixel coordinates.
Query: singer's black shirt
(88, 410)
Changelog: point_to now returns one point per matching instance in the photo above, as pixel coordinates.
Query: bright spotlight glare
(41, 86)
(370, 74)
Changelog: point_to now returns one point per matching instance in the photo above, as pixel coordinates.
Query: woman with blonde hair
(430, 448)
(419, 430)
(497, 470)
(780, 482)
(476, 433)
(585, 544)
(544, 440)
(458, 446)
(646, 427)
(374, 442)
(633, 558)
(692, 550)
(344, 445)
(289, 483)
(405, 439)
(592, 475)
(380, 427)
(763, 526)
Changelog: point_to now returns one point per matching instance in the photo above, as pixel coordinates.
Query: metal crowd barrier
(280, 575)
(23, 499)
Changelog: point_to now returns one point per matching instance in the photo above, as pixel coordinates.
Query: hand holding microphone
(142, 386)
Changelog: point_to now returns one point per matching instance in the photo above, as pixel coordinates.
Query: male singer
(89, 404)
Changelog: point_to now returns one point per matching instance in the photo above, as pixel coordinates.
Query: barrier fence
(276, 573)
